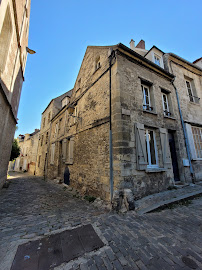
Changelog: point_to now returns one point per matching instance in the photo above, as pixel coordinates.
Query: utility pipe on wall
(110, 56)
(184, 130)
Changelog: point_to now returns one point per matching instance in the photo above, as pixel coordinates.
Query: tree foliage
(15, 152)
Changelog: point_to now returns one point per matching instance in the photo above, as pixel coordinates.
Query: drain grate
(53, 250)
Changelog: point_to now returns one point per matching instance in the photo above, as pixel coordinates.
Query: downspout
(110, 56)
(184, 129)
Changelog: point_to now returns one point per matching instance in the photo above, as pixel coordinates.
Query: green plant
(15, 152)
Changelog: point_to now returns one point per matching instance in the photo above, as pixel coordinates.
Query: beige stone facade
(44, 141)
(188, 83)
(28, 152)
(149, 150)
(14, 31)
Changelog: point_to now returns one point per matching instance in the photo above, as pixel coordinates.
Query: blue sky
(61, 30)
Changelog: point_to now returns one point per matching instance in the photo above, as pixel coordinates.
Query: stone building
(28, 152)
(51, 110)
(188, 87)
(14, 31)
(149, 150)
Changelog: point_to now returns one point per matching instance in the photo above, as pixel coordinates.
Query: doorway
(173, 155)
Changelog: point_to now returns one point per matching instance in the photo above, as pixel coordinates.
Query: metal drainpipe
(184, 130)
(110, 56)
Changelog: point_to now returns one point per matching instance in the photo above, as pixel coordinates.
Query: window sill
(155, 170)
(169, 117)
(154, 113)
(196, 159)
(194, 103)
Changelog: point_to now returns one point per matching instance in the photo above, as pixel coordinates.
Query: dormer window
(157, 60)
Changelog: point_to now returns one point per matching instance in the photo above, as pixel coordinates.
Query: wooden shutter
(64, 147)
(165, 148)
(71, 149)
(141, 152)
(191, 141)
(52, 153)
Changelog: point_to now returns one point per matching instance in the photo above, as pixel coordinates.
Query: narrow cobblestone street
(31, 208)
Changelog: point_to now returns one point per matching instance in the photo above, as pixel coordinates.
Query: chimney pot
(132, 44)
(141, 44)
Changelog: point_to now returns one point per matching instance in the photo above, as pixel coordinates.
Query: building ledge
(154, 113)
(155, 170)
(169, 117)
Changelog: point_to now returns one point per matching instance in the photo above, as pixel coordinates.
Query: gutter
(184, 130)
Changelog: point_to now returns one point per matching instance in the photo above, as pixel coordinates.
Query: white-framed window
(146, 98)
(157, 60)
(190, 91)
(151, 149)
(166, 109)
(197, 136)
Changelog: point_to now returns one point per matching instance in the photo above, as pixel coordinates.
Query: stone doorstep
(164, 202)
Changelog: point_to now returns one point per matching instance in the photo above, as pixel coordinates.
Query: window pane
(152, 147)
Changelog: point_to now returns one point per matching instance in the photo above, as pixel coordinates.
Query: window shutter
(52, 153)
(141, 147)
(71, 148)
(165, 148)
(191, 141)
(64, 147)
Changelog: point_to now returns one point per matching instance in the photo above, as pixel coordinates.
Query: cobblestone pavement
(170, 239)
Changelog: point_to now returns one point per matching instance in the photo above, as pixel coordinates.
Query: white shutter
(191, 141)
(141, 152)
(165, 148)
(71, 148)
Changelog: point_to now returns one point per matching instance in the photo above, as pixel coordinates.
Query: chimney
(141, 44)
(132, 44)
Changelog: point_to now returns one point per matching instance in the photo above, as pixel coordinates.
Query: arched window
(5, 39)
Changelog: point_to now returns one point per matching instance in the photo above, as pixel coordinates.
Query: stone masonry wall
(129, 75)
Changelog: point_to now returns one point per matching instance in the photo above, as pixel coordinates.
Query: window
(157, 60)
(44, 122)
(166, 109)
(41, 140)
(49, 116)
(191, 90)
(146, 98)
(197, 135)
(97, 63)
(151, 149)
(46, 137)
(190, 93)
(39, 161)
(56, 129)
(5, 39)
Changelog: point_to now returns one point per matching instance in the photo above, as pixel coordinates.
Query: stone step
(155, 201)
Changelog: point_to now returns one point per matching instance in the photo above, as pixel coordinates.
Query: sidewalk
(155, 201)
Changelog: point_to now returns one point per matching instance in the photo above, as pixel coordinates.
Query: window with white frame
(151, 149)
(166, 108)
(146, 98)
(197, 135)
(157, 60)
(190, 91)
